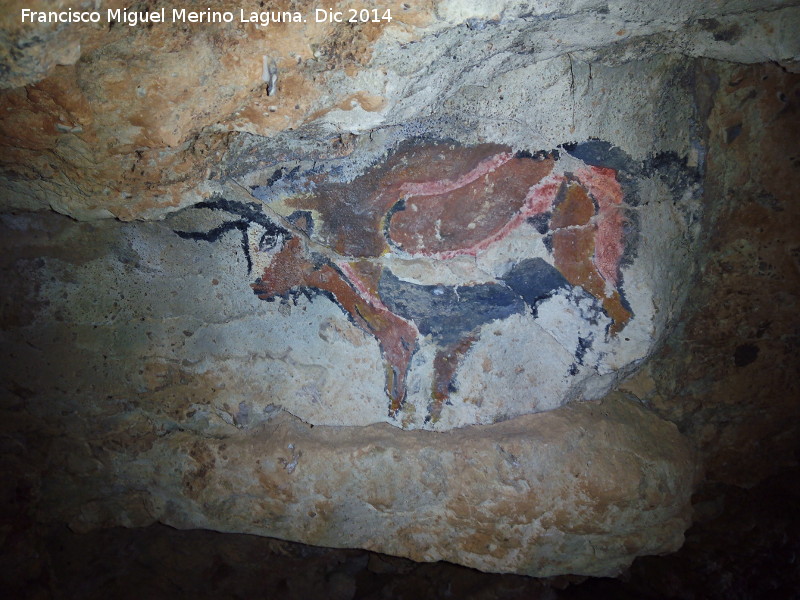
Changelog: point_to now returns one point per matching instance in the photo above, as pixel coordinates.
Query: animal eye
(269, 241)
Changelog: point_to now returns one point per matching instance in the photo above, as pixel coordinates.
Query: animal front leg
(397, 339)
(575, 242)
(351, 286)
(396, 336)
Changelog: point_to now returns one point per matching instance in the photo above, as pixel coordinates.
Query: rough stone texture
(128, 121)
(518, 318)
(142, 377)
(728, 377)
(582, 490)
(132, 126)
(142, 415)
(415, 255)
(744, 546)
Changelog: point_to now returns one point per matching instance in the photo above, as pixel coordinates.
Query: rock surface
(154, 407)
(144, 381)
(584, 489)
(728, 375)
(448, 257)
(132, 121)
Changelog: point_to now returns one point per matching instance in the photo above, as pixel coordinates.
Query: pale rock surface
(153, 379)
(583, 489)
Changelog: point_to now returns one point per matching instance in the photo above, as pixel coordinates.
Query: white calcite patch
(515, 368)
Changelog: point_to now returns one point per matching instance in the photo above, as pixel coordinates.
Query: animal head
(264, 243)
(275, 255)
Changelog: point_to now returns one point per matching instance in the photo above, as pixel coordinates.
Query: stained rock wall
(129, 121)
(727, 375)
(472, 220)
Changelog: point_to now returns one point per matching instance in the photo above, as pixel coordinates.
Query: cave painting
(440, 202)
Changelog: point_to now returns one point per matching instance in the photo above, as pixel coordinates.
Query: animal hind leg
(445, 365)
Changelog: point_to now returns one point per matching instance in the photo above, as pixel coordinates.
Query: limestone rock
(583, 489)
(156, 398)
(739, 405)
(126, 121)
(348, 306)
(233, 362)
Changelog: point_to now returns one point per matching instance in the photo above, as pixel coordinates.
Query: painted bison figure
(436, 203)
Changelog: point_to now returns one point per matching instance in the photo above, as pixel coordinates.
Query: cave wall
(144, 381)
(733, 367)
(128, 121)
